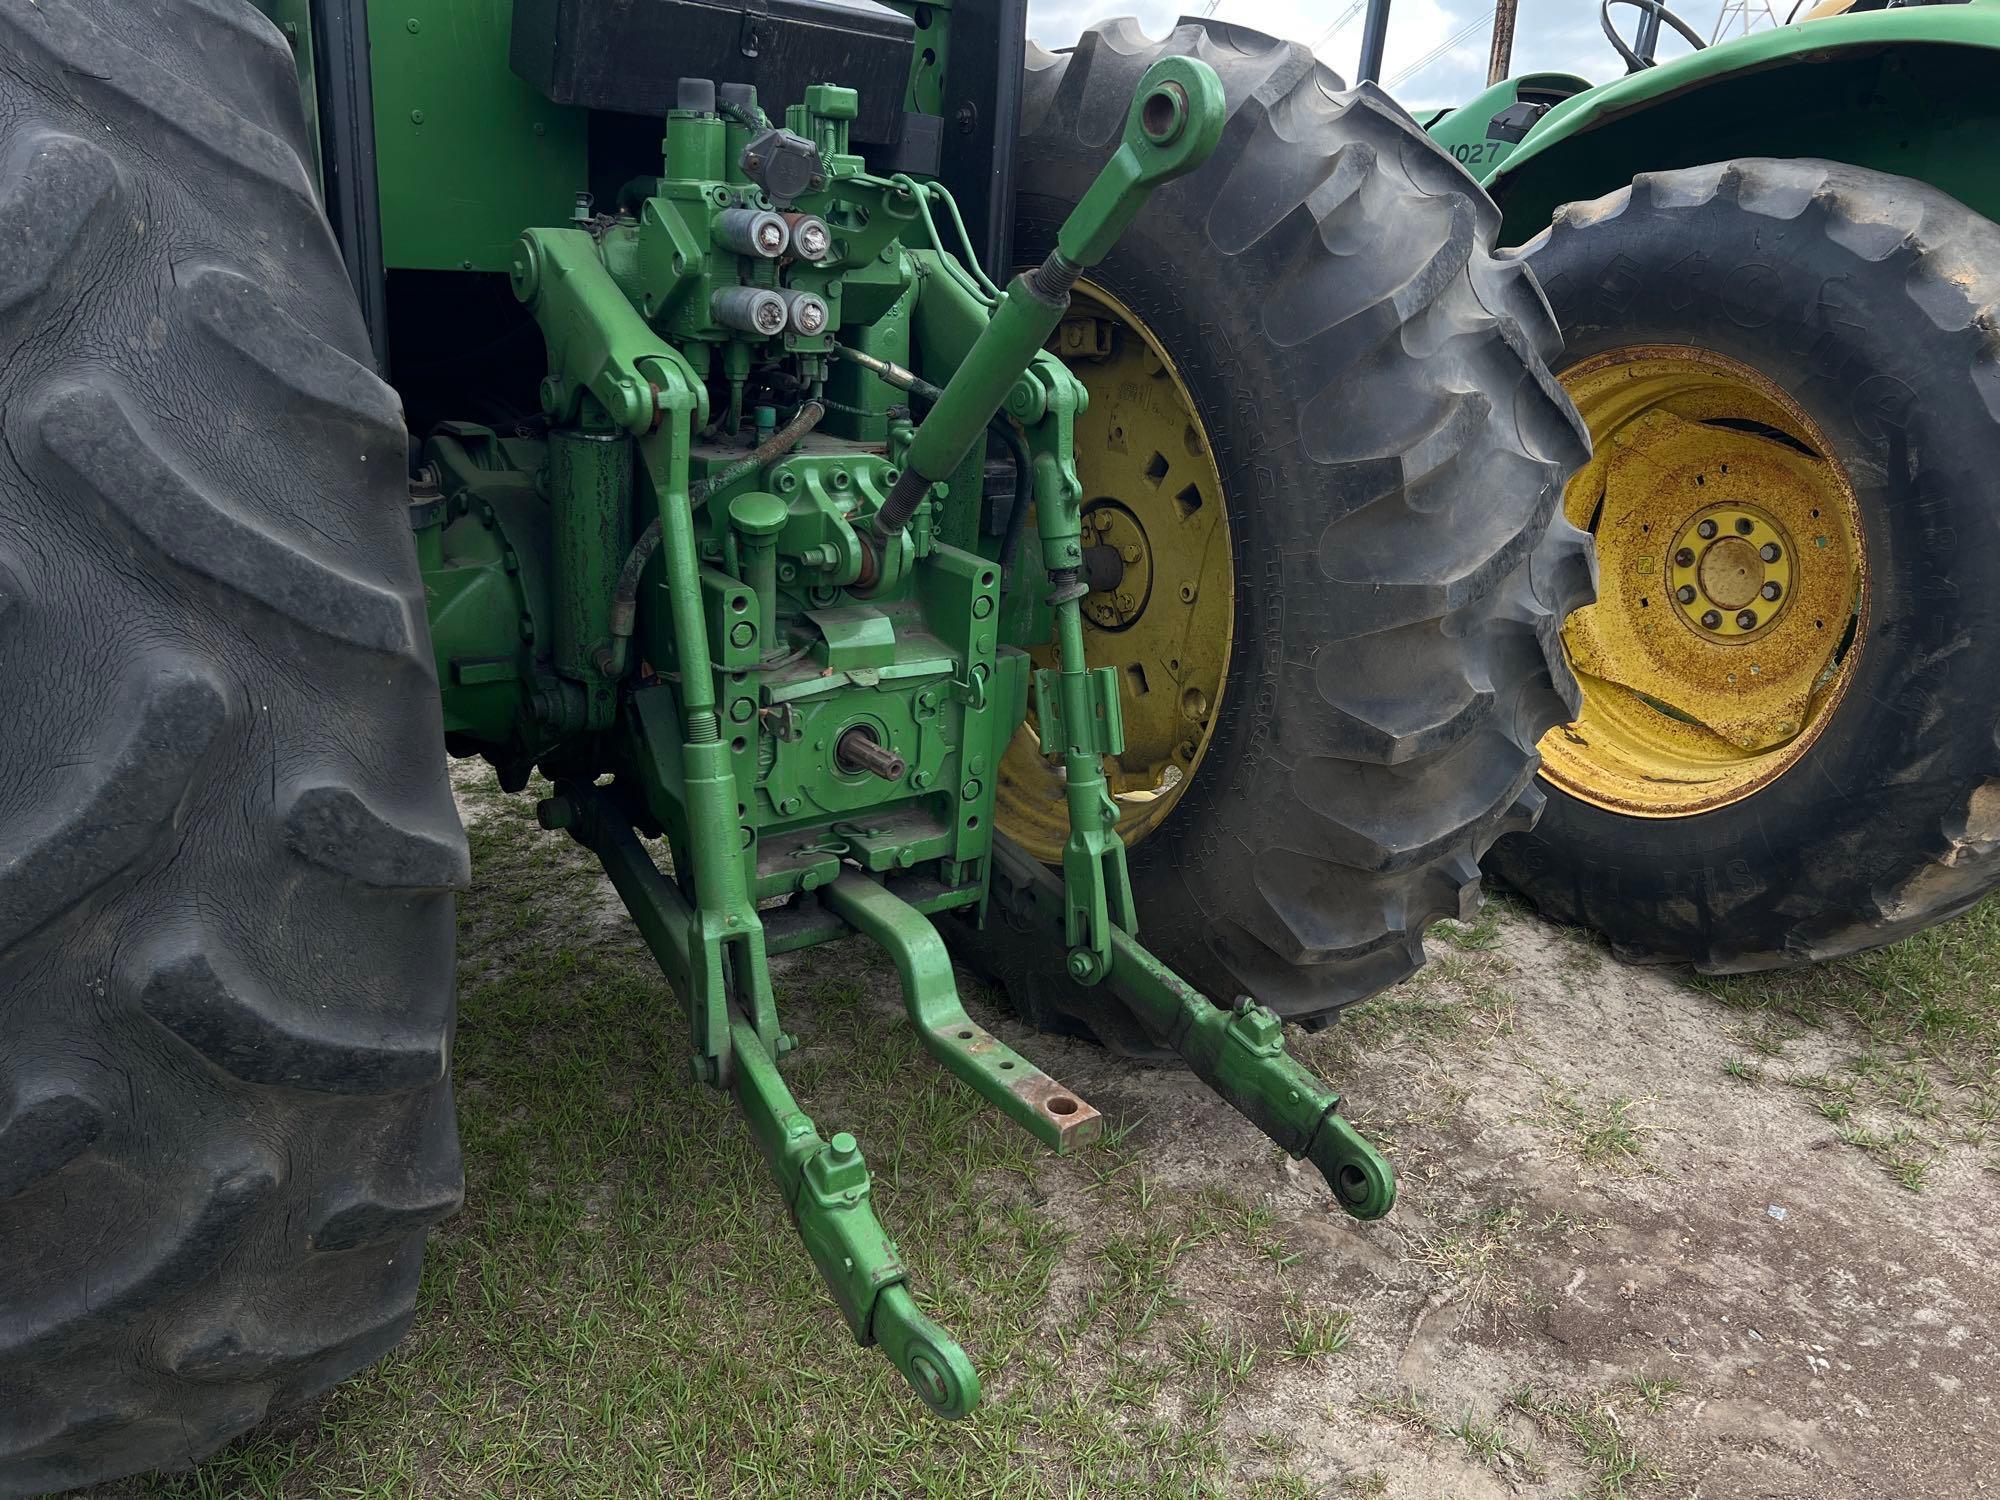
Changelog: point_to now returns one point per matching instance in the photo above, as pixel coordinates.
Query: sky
(1437, 48)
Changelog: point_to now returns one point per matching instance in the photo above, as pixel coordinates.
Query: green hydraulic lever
(1175, 122)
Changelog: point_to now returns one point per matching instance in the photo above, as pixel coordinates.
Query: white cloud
(1551, 35)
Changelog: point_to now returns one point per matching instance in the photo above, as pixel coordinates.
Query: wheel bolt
(1706, 529)
(1711, 621)
(1684, 558)
(1747, 619)
(1771, 590)
(1769, 552)
(1685, 593)
(1744, 526)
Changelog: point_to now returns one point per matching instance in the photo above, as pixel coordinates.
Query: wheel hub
(1729, 572)
(1732, 584)
(1129, 584)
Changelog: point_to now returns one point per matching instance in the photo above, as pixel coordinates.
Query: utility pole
(1502, 56)
(1374, 38)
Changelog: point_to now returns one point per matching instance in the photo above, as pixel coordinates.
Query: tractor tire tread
(1927, 843)
(228, 844)
(1412, 664)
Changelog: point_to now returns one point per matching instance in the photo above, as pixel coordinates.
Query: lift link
(1173, 126)
(1239, 1053)
(1077, 706)
(825, 1184)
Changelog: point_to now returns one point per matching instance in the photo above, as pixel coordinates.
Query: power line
(1346, 16)
(1462, 34)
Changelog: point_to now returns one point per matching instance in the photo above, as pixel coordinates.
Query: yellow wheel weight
(1732, 598)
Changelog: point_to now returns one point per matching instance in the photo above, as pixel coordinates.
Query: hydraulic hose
(612, 657)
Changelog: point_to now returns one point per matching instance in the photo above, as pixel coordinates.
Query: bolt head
(1771, 590)
(1744, 526)
(1685, 593)
(1080, 964)
(1705, 529)
(1769, 552)
(1747, 619)
(1710, 620)
(1684, 558)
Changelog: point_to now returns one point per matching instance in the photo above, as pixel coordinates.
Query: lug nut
(1747, 619)
(1706, 529)
(1744, 526)
(1684, 558)
(1771, 590)
(1711, 621)
(1685, 593)
(1769, 552)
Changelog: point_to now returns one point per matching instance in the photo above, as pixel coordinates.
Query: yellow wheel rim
(1152, 494)
(1732, 585)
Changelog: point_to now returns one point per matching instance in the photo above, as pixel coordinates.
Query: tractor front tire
(1811, 345)
(1368, 376)
(227, 844)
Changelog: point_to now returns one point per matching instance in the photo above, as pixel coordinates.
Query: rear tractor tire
(1324, 442)
(1789, 748)
(227, 845)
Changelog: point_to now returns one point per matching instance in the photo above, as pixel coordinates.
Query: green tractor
(867, 474)
(1777, 270)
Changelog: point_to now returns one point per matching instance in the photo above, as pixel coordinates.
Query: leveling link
(764, 628)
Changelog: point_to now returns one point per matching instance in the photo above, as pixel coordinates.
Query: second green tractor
(1776, 265)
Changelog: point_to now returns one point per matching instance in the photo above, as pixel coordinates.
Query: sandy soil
(1830, 1333)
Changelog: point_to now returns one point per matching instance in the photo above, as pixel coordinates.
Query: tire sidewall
(1862, 809)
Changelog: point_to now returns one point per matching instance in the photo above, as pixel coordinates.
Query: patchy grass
(1486, 1443)
(1738, 1068)
(1475, 1262)
(1603, 1133)
(623, 1308)
(1592, 1429)
(1920, 1024)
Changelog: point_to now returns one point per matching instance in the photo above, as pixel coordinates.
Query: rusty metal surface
(1732, 574)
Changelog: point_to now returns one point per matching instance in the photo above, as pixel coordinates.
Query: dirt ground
(1744, 1306)
(1656, 1237)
